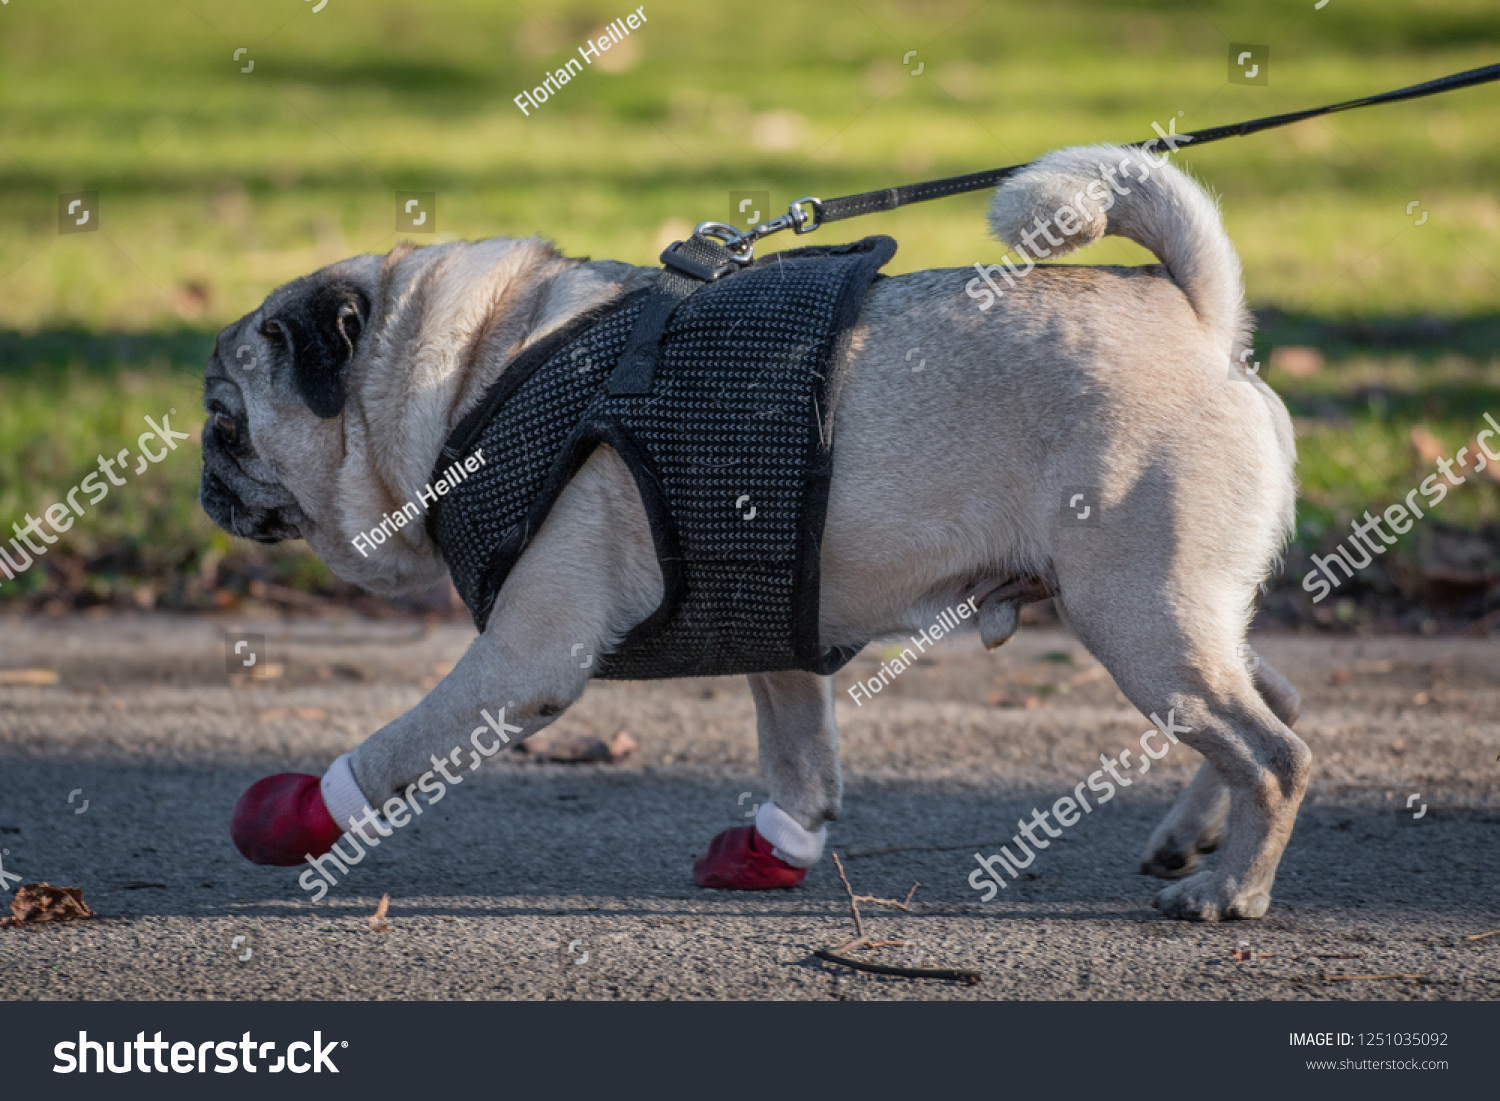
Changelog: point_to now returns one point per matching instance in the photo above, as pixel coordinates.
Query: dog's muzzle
(223, 492)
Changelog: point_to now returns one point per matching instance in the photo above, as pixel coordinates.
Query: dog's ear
(320, 331)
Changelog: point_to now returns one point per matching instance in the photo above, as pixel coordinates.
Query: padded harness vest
(714, 389)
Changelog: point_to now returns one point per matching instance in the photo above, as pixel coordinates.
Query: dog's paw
(1172, 855)
(1205, 897)
(282, 821)
(1170, 862)
(741, 860)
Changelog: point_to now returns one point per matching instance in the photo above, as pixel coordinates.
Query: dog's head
(276, 390)
(328, 406)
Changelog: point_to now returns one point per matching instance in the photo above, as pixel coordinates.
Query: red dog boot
(741, 860)
(282, 820)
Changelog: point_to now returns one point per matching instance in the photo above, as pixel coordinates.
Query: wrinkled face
(275, 395)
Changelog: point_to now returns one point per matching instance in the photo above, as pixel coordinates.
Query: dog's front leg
(501, 692)
(799, 758)
(588, 577)
(514, 679)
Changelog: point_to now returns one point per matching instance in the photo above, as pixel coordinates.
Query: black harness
(715, 387)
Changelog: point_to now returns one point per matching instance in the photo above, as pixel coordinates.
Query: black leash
(716, 249)
(808, 213)
(850, 206)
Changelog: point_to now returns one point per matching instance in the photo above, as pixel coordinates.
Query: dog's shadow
(524, 839)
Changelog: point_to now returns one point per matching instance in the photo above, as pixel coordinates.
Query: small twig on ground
(891, 901)
(863, 942)
(1373, 978)
(968, 977)
(1481, 936)
(855, 900)
(859, 926)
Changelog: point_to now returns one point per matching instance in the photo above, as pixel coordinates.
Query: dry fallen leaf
(573, 748)
(622, 745)
(28, 676)
(377, 920)
(36, 902)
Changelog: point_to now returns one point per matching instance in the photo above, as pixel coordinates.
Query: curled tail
(1082, 194)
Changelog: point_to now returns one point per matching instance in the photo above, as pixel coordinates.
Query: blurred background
(232, 146)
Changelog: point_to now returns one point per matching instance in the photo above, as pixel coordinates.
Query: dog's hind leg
(1168, 637)
(1278, 692)
(799, 759)
(1195, 824)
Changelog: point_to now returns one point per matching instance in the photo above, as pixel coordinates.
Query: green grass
(230, 183)
(216, 186)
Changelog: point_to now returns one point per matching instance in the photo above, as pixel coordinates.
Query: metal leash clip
(742, 245)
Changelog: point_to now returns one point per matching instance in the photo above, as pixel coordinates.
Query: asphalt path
(546, 881)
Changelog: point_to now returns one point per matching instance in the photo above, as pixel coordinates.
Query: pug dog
(328, 406)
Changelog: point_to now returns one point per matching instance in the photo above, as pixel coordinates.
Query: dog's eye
(276, 332)
(227, 426)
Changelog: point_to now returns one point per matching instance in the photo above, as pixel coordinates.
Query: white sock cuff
(797, 846)
(341, 795)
